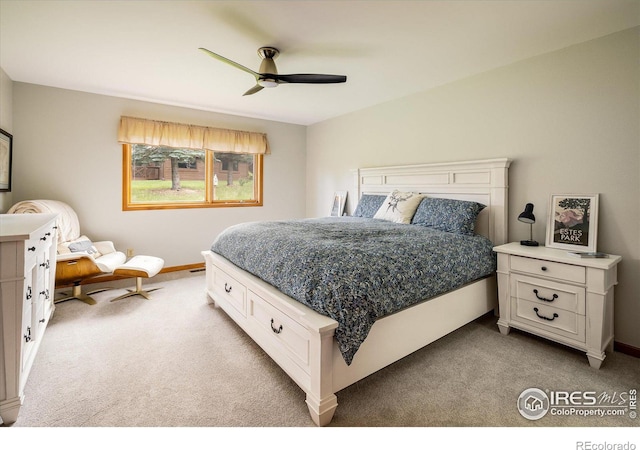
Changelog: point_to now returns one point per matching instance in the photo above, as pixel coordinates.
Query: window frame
(208, 202)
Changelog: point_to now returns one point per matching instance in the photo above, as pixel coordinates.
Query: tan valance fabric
(152, 132)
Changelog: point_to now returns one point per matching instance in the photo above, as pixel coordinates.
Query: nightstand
(546, 292)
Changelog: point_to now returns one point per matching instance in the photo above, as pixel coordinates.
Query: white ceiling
(148, 50)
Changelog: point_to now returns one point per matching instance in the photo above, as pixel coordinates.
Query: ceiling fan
(268, 75)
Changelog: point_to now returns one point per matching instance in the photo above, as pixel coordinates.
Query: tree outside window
(159, 177)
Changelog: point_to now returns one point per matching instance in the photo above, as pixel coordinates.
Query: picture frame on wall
(339, 201)
(573, 222)
(6, 154)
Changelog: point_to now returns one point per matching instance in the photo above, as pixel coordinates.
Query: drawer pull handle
(544, 317)
(274, 329)
(27, 337)
(227, 289)
(31, 249)
(555, 296)
(543, 268)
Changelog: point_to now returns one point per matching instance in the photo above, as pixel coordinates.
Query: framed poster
(339, 200)
(6, 148)
(573, 222)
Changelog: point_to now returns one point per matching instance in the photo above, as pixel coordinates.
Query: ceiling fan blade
(311, 78)
(232, 63)
(253, 90)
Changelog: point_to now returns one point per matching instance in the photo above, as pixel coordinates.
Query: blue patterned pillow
(445, 214)
(369, 205)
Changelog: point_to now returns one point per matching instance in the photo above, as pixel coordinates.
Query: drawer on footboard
(228, 288)
(281, 332)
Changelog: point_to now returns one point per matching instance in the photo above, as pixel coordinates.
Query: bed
(329, 322)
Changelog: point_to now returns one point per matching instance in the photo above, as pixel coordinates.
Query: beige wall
(66, 149)
(6, 123)
(569, 120)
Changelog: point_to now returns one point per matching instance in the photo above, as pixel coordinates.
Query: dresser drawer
(32, 248)
(283, 332)
(565, 272)
(27, 333)
(553, 320)
(551, 293)
(227, 287)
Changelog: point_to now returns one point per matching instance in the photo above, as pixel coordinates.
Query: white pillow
(399, 207)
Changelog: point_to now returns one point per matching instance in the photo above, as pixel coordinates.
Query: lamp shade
(527, 216)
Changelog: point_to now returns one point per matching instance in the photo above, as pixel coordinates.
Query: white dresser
(27, 283)
(546, 292)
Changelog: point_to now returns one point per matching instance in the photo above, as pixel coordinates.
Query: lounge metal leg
(138, 291)
(77, 294)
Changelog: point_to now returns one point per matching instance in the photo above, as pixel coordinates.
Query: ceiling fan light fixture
(268, 83)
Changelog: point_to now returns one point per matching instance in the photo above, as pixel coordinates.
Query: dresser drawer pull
(555, 296)
(274, 329)
(31, 249)
(544, 317)
(543, 268)
(27, 337)
(227, 289)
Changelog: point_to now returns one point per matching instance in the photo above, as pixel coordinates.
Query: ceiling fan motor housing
(268, 66)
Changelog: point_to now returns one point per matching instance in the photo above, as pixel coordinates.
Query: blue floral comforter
(356, 270)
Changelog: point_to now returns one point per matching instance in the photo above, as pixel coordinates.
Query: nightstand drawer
(546, 292)
(560, 271)
(553, 320)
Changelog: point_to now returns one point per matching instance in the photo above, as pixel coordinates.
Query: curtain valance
(152, 132)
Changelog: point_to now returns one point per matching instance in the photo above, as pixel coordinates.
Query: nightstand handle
(544, 268)
(555, 296)
(543, 317)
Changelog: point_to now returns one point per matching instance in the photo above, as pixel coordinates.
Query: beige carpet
(177, 361)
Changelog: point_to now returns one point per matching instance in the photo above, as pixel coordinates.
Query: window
(157, 177)
(173, 165)
(191, 164)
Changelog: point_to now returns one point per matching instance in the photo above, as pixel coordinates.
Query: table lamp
(527, 216)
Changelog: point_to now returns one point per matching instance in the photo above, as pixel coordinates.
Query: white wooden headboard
(484, 181)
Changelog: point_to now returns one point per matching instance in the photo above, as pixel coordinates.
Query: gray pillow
(369, 205)
(83, 246)
(445, 214)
